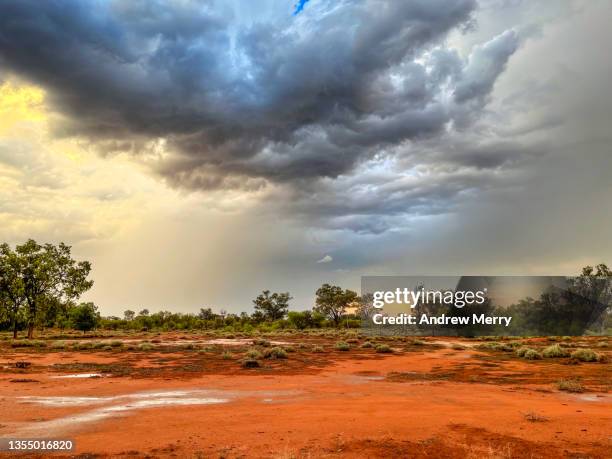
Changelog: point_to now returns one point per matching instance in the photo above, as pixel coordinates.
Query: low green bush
(521, 351)
(383, 349)
(342, 346)
(367, 345)
(585, 355)
(554, 351)
(275, 353)
(569, 385)
(532, 354)
(253, 354)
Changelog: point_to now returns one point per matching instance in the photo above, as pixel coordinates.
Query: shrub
(521, 351)
(532, 354)
(107, 348)
(417, 342)
(383, 349)
(503, 347)
(569, 385)
(250, 363)
(261, 342)
(227, 356)
(145, 347)
(367, 345)
(534, 417)
(554, 351)
(253, 354)
(585, 355)
(317, 349)
(97, 345)
(458, 347)
(275, 353)
(58, 345)
(342, 346)
(28, 343)
(115, 343)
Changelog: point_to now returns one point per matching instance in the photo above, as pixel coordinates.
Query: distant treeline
(40, 286)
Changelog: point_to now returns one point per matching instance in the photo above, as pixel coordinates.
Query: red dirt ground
(422, 401)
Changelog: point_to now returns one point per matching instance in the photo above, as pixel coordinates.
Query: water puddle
(80, 375)
(121, 405)
(594, 398)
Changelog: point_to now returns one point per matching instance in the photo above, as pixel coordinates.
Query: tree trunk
(31, 330)
(15, 323)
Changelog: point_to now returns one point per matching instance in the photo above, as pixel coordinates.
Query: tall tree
(272, 307)
(129, 315)
(12, 297)
(48, 273)
(332, 301)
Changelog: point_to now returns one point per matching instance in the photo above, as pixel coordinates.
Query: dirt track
(420, 401)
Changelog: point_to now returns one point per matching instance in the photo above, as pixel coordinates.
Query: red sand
(435, 403)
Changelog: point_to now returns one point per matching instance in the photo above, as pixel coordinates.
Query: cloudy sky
(198, 152)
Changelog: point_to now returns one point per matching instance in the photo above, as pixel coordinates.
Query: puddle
(80, 375)
(361, 379)
(121, 405)
(75, 420)
(593, 398)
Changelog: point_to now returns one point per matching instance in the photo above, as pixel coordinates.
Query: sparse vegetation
(253, 354)
(383, 349)
(342, 346)
(367, 345)
(585, 355)
(570, 385)
(275, 353)
(521, 351)
(532, 354)
(250, 363)
(534, 417)
(554, 351)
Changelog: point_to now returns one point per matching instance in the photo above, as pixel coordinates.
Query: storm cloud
(301, 101)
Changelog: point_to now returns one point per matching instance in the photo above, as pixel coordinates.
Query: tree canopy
(272, 306)
(34, 277)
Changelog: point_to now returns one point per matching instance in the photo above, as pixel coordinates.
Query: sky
(199, 152)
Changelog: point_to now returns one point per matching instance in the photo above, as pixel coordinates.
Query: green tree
(206, 314)
(129, 315)
(50, 273)
(12, 295)
(85, 316)
(300, 320)
(272, 307)
(332, 302)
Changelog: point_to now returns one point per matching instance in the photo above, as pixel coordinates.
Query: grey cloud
(295, 101)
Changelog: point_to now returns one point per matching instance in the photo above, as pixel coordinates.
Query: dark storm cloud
(294, 101)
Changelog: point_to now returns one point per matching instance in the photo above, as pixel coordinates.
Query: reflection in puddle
(119, 405)
(80, 375)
